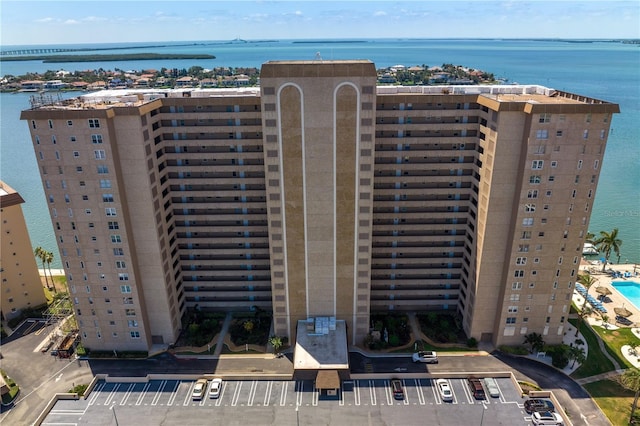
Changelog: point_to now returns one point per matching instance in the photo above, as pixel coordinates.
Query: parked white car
(546, 418)
(199, 389)
(216, 387)
(444, 389)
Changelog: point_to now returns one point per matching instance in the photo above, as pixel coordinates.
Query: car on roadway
(444, 389)
(396, 388)
(199, 389)
(546, 418)
(215, 388)
(429, 357)
(538, 405)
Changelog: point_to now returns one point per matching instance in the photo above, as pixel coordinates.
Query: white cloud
(380, 13)
(47, 19)
(71, 22)
(94, 19)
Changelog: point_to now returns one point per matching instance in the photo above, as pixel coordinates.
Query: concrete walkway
(223, 333)
(598, 377)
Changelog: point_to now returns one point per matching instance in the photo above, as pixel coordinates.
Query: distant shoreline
(105, 58)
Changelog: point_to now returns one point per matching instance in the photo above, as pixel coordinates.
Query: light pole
(484, 408)
(113, 410)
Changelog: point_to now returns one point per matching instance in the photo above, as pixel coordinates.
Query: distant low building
(21, 285)
(31, 85)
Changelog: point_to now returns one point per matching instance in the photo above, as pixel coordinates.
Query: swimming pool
(630, 290)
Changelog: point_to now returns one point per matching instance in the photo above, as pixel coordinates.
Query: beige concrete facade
(21, 286)
(320, 194)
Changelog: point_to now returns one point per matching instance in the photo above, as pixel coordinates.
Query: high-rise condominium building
(321, 194)
(21, 286)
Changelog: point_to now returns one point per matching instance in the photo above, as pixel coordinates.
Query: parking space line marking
(372, 392)
(419, 390)
(283, 394)
(236, 394)
(96, 392)
(315, 397)
(267, 394)
(219, 401)
(341, 397)
(388, 393)
(187, 397)
(159, 392)
(299, 390)
(435, 392)
(356, 393)
(112, 394)
(467, 391)
(126, 395)
(174, 393)
(406, 395)
(252, 393)
(143, 393)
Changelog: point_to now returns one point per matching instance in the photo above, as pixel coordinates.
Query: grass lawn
(615, 340)
(614, 400)
(14, 389)
(596, 362)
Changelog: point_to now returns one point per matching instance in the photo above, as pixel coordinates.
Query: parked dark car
(396, 387)
(538, 406)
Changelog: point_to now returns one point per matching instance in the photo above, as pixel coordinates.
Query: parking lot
(289, 402)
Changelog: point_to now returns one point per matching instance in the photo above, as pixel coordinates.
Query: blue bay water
(602, 70)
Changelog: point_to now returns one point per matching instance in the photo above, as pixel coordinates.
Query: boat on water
(589, 248)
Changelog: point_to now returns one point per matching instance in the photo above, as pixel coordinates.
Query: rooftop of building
(9, 196)
(321, 343)
(104, 99)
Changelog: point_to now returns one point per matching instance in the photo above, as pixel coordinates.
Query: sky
(87, 21)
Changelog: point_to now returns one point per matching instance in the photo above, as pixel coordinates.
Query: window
(114, 225)
(123, 277)
(518, 273)
(51, 124)
(516, 286)
(521, 261)
(554, 164)
(132, 323)
(532, 193)
(545, 118)
(127, 300)
(514, 297)
(534, 179)
(527, 221)
(526, 235)
(540, 149)
(585, 134)
(134, 334)
(79, 169)
(579, 164)
(120, 264)
(511, 320)
(103, 170)
(537, 164)
(552, 178)
(125, 289)
(118, 251)
(603, 133)
(76, 154)
(116, 239)
(85, 198)
(94, 123)
(596, 163)
(130, 312)
(529, 207)
(96, 139)
(542, 134)
(105, 183)
(110, 211)
(72, 138)
(559, 133)
(523, 248)
(99, 154)
(107, 198)
(512, 309)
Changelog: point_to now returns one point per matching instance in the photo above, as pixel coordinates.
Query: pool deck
(614, 300)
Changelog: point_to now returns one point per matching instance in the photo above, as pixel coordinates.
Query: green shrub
(472, 342)
(514, 350)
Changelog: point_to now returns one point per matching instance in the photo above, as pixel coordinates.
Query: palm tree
(276, 342)
(630, 379)
(49, 258)
(608, 242)
(587, 281)
(40, 254)
(590, 237)
(576, 353)
(535, 341)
